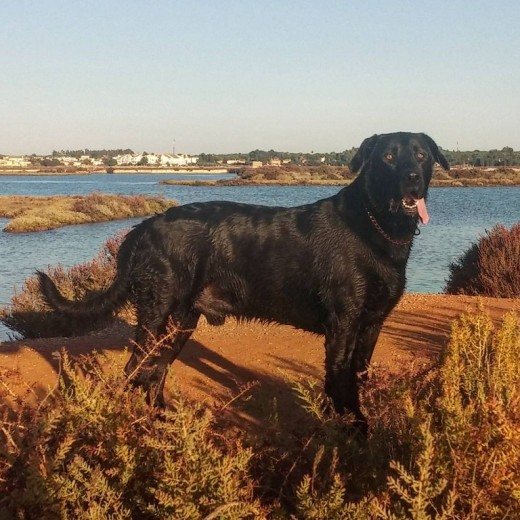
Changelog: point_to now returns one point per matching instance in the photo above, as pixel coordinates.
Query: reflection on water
(458, 217)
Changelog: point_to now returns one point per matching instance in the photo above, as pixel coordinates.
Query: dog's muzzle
(415, 206)
(412, 202)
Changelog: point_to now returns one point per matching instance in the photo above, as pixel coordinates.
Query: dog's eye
(389, 156)
(420, 156)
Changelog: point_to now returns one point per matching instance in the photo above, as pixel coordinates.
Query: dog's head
(396, 170)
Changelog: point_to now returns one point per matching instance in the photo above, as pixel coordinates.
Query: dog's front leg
(341, 383)
(366, 342)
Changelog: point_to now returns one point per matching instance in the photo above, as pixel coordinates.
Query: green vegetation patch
(44, 213)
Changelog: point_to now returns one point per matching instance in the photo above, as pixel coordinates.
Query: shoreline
(238, 182)
(120, 171)
(459, 183)
(297, 179)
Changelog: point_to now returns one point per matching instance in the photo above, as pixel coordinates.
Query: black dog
(335, 267)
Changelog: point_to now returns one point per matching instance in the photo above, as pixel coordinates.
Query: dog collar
(384, 234)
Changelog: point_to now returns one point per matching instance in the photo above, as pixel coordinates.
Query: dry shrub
(48, 218)
(327, 172)
(476, 176)
(465, 173)
(28, 224)
(440, 174)
(296, 173)
(444, 444)
(490, 267)
(96, 450)
(506, 173)
(100, 206)
(29, 316)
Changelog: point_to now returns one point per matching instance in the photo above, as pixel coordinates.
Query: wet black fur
(322, 267)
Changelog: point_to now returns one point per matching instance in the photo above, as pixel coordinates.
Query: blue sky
(236, 75)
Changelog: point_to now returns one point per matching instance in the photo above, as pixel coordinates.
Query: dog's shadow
(425, 335)
(247, 397)
(250, 398)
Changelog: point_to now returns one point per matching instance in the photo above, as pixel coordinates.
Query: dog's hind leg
(154, 352)
(173, 342)
(339, 349)
(153, 299)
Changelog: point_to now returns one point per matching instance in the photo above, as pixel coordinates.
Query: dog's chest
(383, 274)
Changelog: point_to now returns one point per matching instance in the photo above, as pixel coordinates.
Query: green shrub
(479, 406)
(490, 267)
(29, 316)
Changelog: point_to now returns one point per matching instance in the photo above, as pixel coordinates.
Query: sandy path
(218, 362)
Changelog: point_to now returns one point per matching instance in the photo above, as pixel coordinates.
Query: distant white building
(83, 160)
(12, 160)
(152, 159)
(167, 159)
(235, 161)
(69, 161)
(127, 158)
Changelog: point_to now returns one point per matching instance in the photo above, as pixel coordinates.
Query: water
(458, 217)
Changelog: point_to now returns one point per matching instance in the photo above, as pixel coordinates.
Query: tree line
(493, 158)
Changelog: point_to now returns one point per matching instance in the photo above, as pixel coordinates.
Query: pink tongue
(423, 212)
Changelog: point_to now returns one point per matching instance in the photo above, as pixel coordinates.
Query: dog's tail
(96, 306)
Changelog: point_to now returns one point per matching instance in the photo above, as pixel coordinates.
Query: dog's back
(246, 261)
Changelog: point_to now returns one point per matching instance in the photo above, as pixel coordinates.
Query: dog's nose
(413, 177)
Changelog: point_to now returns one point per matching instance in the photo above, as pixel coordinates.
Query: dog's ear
(437, 154)
(363, 153)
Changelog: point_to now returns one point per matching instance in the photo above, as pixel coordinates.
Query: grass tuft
(30, 214)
